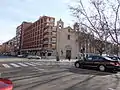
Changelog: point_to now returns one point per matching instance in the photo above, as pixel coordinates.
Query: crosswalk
(6, 66)
(29, 64)
(18, 65)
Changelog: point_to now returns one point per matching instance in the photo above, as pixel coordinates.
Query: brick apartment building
(9, 47)
(39, 37)
(19, 36)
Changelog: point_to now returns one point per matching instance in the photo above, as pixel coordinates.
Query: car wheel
(102, 68)
(77, 65)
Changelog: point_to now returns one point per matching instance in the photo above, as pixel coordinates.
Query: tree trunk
(100, 53)
(117, 50)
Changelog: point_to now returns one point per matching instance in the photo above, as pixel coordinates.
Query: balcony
(47, 35)
(46, 30)
(53, 41)
(46, 42)
(54, 36)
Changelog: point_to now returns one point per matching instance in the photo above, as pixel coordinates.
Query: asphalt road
(38, 75)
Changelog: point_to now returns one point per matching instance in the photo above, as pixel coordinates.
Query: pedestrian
(69, 57)
(57, 57)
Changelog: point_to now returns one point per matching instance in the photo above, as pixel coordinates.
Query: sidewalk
(25, 59)
(61, 60)
(12, 59)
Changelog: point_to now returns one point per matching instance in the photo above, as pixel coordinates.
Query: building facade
(10, 47)
(66, 41)
(45, 39)
(39, 37)
(19, 34)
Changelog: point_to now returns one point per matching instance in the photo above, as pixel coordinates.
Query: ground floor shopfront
(64, 54)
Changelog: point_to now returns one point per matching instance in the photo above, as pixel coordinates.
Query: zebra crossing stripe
(23, 64)
(30, 64)
(6, 66)
(15, 65)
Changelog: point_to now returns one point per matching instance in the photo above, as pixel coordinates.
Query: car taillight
(115, 63)
(112, 63)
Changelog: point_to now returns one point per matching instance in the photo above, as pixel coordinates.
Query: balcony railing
(46, 42)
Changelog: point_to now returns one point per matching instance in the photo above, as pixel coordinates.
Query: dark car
(100, 62)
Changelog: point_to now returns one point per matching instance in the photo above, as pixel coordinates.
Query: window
(41, 20)
(49, 54)
(98, 58)
(95, 58)
(68, 30)
(54, 33)
(101, 58)
(38, 28)
(38, 22)
(89, 58)
(53, 39)
(68, 37)
(47, 19)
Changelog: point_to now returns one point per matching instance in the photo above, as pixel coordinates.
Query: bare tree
(114, 24)
(101, 19)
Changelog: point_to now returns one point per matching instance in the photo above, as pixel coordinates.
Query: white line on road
(23, 64)
(30, 64)
(36, 63)
(15, 65)
(111, 89)
(6, 66)
(39, 69)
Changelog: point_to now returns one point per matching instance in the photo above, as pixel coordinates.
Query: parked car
(33, 57)
(20, 56)
(100, 62)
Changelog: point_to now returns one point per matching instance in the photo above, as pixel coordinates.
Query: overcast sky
(14, 12)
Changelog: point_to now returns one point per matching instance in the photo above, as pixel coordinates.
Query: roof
(68, 27)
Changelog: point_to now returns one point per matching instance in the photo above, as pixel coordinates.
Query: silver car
(33, 57)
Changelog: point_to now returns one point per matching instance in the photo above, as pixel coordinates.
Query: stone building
(66, 41)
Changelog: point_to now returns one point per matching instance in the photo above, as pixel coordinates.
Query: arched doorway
(68, 49)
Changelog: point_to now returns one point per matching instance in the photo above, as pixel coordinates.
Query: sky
(14, 12)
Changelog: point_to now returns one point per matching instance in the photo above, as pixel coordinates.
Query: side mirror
(6, 84)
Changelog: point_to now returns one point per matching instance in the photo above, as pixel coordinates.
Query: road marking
(36, 63)
(23, 64)
(6, 66)
(15, 65)
(111, 89)
(39, 69)
(30, 64)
